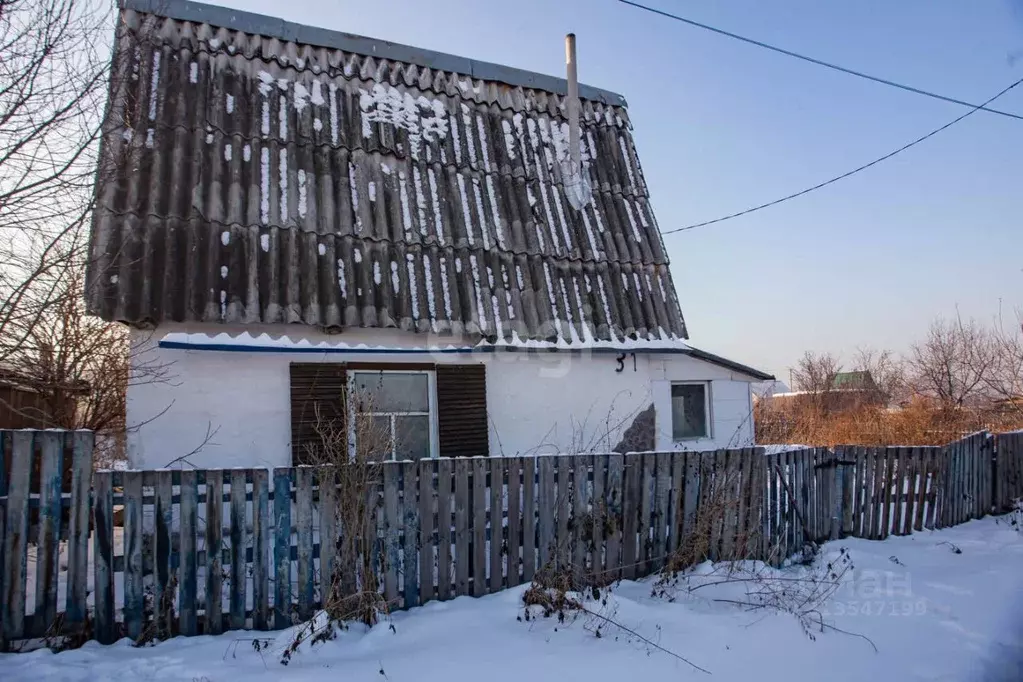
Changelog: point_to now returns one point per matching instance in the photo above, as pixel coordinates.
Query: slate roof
(259, 172)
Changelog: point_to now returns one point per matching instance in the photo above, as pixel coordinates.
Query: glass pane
(412, 437)
(373, 438)
(392, 391)
(688, 411)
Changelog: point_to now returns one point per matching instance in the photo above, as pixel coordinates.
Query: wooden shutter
(462, 410)
(317, 400)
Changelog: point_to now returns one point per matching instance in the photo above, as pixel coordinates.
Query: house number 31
(621, 362)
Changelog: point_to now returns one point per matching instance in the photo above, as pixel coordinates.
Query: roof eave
(728, 364)
(270, 27)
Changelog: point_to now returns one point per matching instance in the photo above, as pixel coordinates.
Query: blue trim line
(231, 348)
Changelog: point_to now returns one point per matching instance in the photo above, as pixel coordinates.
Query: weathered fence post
(847, 475)
(836, 498)
(105, 625)
(15, 536)
(78, 540)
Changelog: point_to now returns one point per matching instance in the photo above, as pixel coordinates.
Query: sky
(721, 126)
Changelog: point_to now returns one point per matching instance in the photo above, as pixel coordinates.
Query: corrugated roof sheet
(258, 180)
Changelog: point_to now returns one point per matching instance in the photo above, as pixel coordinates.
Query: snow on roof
(352, 161)
(267, 342)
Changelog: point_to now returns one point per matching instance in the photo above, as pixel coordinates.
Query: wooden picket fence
(127, 553)
(1008, 474)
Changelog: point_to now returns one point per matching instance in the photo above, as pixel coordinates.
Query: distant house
(295, 215)
(22, 406)
(854, 381)
(28, 403)
(1011, 405)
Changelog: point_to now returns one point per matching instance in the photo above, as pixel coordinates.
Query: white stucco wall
(731, 406)
(537, 402)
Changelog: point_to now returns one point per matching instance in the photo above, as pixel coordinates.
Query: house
(860, 380)
(33, 402)
(291, 215)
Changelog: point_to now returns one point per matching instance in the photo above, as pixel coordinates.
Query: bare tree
(815, 372)
(1005, 378)
(886, 370)
(53, 78)
(55, 70)
(80, 365)
(954, 363)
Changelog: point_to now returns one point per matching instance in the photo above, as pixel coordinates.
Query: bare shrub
(569, 594)
(815, 372)
(720, 500)
(559, 591)
(1015, 517)
(804, 593)
(803, 596)
(347, 453)
(920, 421)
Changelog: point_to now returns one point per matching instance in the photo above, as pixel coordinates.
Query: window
(689, 411)
(396, 411)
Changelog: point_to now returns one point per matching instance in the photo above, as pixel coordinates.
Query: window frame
(708, 414)
(431, 378)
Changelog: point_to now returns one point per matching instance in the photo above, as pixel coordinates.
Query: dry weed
(919, 422)
(347, 454)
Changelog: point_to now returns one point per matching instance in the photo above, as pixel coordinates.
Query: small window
(395, 411)
(689, 411)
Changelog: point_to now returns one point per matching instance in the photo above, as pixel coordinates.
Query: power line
(849, 173)
(836, 67)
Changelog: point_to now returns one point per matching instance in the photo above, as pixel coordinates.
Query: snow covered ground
(932, 612)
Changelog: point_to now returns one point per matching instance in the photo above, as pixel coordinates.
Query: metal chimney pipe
(573, 103)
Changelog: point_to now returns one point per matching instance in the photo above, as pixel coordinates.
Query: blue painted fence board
(51, 451)
(445, 537)
(528, 518)
(133, 589)
(214, 554)
(392, 554)
(260, 554)
(304, 528)
(103, 557)
(238, 549)
(328, 530)
(479, 527)
(4, 444)
(410, 519)
(188, 616)
(427, 567)
(163, 518)
(78, 540)
(15, 540)
(282, 548)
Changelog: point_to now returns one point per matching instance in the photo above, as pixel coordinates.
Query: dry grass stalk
(347, 454)
(568, 592)
(720, 500)
(920, 422)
